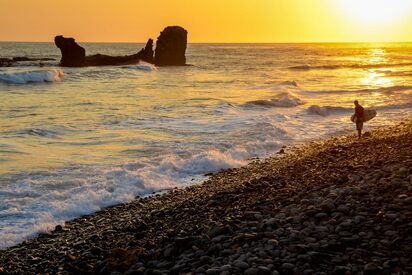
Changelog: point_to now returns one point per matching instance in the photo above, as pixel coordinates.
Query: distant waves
(347, 66)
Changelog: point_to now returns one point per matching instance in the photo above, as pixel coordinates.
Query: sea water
(75, 140)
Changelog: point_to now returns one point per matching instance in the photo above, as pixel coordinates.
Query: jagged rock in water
(171, 47)
(5, 62)
(146, 54)
(170, 51)
(24, 58)
(73, 55)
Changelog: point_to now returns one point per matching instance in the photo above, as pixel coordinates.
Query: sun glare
(376, 11)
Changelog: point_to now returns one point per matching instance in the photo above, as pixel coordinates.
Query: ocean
(75, 140)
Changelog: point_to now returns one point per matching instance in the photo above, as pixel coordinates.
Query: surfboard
(367, 115)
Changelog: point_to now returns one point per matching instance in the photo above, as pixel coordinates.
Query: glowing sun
(375, 11)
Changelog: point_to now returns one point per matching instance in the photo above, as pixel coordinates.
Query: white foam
(51, 75)
(142, 67)
(38, 203)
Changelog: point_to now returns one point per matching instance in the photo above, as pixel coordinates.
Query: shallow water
(73, 140)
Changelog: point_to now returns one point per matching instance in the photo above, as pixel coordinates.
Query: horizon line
(279, 42)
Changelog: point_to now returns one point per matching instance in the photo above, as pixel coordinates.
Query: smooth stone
(273, 242)
(212, 271)
(168, 252)
(390, 233)
(409, 199)
(240, 264)
(251, 271)
(288, 266)
(206, 259)
(271, 222)
(370, 267)
(227, 252)
(216, 230)
(264, 269)
(200, 270)
(58, 228)
(226, 267)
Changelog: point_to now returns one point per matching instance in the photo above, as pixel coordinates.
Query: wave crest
(281, 100)
(326, 110)
(52, 75)
(142, 67)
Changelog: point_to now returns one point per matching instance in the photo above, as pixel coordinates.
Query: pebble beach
(334, 206)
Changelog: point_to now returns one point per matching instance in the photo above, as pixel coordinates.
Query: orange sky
(208, 20)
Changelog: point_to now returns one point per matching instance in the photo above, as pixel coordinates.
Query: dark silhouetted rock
(170, 51)
(146, 54)
(24, 58)
(171, 47)
(72, 54)
(107, 60)
(5, 62)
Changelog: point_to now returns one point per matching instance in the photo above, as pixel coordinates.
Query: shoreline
(258, 219)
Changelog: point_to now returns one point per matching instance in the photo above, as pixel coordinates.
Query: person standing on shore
(359, 113)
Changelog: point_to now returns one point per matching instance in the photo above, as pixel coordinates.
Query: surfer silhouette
(359, 117)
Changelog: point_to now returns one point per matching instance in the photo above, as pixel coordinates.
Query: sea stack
(171, 47)
(73, 55)
(170, 51)
(146, 54)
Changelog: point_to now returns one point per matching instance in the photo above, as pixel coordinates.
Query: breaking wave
(281, 100)
(52, 75)
(83, 189)
(141, 67)
(326, 110)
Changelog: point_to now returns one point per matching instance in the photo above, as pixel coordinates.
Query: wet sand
(337, 206)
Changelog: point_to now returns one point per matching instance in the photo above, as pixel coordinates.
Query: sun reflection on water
(376, 56)
(376, 78)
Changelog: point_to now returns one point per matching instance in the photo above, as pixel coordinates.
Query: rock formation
(8, 62)
(107, 60)
(72, 54)
(5, 62)
(146, 54)
(171, 47)
(170, 51)
(25, 58)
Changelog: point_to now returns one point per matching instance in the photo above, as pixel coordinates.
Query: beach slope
(338, 206)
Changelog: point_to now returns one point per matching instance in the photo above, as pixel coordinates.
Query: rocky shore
(339, 206)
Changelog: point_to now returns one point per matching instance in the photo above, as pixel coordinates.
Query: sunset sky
(208, 20)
